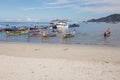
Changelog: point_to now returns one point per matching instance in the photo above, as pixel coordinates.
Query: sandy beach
(23, 61)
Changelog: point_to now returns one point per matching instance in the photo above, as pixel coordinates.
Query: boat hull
(67, 35)
(16, 33)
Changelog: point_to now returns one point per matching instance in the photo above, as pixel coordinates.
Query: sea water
(86, 34)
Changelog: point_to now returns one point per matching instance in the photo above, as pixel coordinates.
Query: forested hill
(111, 18)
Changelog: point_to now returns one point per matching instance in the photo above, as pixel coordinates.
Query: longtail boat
(43, 34)
(16, 33)
(34, 34)
(68, 35)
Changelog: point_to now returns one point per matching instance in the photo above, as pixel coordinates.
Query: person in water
(107, 32)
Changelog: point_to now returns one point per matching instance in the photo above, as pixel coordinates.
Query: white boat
(63, 27)
(61, 24)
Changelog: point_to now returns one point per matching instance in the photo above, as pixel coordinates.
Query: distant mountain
(114, 18)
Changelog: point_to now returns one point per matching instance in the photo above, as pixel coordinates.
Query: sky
(46, 10)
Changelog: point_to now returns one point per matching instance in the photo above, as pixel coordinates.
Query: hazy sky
(46, 10)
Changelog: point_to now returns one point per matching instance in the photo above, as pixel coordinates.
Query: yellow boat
(16, 33)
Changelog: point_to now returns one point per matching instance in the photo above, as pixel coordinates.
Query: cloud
(52, 5)
(30, 8)
(23, 20)
(26, 9)
(60, 2)
(47, 7)
(64, 6)
(95, 6)
(31, 19)
(99, 7)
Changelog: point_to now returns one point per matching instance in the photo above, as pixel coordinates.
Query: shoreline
(61, 51)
